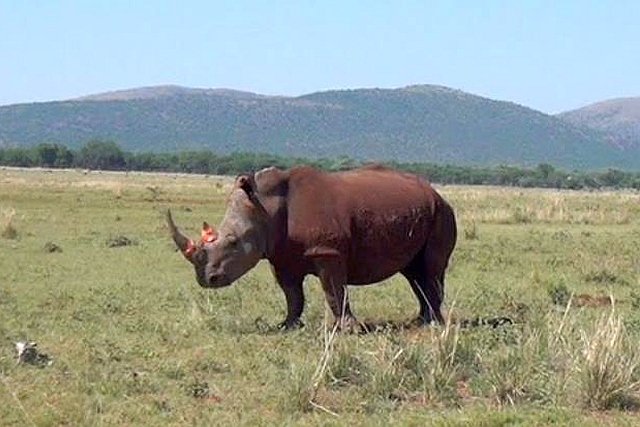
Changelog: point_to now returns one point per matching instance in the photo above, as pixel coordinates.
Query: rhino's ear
(246, 183)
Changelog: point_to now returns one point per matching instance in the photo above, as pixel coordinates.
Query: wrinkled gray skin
(241, 242)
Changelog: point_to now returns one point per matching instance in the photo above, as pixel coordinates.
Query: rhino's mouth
(214, 281)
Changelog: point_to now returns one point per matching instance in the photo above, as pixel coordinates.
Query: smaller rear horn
(208, 233)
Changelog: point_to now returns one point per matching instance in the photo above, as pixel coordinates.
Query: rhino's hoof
(288, 325)
(421, 321)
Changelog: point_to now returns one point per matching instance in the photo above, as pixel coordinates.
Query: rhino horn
(184, 243)
(208, 234)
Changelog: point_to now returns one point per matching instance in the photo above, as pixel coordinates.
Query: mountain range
(617, 119)
(421, 123)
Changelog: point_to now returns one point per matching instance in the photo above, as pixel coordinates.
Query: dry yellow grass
(7, 228)
(513, 206)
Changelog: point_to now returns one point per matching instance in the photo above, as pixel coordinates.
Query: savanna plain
(89, 272)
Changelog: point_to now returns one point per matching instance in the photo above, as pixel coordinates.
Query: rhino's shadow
(390, 325)
(386, 326)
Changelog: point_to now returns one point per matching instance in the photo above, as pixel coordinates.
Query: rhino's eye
(232, 239)
(200, 256)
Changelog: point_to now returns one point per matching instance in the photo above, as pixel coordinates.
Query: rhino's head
(222, 256)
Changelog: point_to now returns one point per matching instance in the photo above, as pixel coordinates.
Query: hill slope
(618, 119)
(417, 123)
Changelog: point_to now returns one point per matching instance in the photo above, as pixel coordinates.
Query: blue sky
(548, 55)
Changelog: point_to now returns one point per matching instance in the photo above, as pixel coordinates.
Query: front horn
(184, 243)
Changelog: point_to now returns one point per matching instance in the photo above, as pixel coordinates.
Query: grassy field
(135, 341)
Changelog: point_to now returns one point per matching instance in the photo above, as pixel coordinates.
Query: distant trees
(107, 155)
(19, 157)
(97, 154)
(53, 155)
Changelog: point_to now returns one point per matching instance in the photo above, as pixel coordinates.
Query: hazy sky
(548, 55)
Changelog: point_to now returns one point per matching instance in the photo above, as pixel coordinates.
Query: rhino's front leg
(294, 294)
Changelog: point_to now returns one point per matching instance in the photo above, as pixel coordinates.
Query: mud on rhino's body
(355, 227)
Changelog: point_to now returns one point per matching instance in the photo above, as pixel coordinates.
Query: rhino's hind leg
(426, 278)
(430, 297)
(427, 270)
(434, 288)
(421, 296)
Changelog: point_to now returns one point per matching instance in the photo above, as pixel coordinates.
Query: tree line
(107, 155)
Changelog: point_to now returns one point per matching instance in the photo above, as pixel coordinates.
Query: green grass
(135, 341)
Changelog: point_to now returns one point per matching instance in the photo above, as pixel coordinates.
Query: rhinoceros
(352, 227)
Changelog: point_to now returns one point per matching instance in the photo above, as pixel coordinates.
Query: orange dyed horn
(191, 248)
(208, 234)
(185, 244)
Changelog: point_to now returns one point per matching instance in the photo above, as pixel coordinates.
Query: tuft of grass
(155, 193)
(522, 215)
(512, 373)
(199, 389)
(8, 230)
(347, 368)
(603, 277)
(300, 388)
(559, 293)
(120, 241)
(118, 192)
(635, 300)
(608, 369)
(387, 376)
(304, 382)
(50, 247)
(535, 365)
(401, 370)
(470, 229)
(443, 364)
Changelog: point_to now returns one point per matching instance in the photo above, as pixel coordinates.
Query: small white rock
(28, 353)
